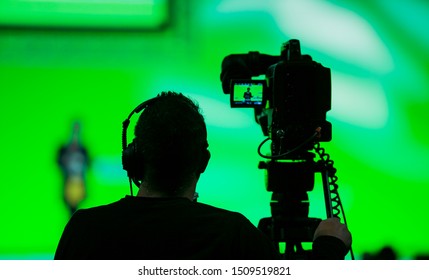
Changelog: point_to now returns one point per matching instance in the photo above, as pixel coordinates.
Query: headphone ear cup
(130, 162)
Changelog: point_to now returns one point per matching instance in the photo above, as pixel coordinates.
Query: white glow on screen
(358, 101)
(336, 31)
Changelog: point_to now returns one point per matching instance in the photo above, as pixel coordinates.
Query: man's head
(171, 144)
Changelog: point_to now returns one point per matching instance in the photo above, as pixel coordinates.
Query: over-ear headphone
(132, 160)
(130, 156)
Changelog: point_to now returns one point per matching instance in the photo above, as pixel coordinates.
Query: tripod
(289, 179)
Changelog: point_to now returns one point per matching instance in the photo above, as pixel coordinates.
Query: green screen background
(379, 58)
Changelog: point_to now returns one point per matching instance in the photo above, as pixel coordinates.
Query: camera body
(290, 105)
(292, 102)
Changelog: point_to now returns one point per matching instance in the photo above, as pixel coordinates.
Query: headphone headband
(126, 123)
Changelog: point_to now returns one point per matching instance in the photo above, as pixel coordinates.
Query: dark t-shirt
(161, 228)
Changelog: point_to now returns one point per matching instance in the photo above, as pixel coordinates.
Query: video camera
(290, 103)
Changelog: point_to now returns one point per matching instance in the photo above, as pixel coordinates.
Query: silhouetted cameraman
(167, 157)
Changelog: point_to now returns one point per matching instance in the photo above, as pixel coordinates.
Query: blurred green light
(219, 113)
(85, 13)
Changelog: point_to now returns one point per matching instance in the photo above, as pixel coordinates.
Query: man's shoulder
(96, 211)
(134, 206)
(221, 213)
(215, 209)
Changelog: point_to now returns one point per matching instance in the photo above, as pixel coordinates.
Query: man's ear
(204, 161)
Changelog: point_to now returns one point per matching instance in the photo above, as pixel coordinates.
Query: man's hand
(333, 227)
